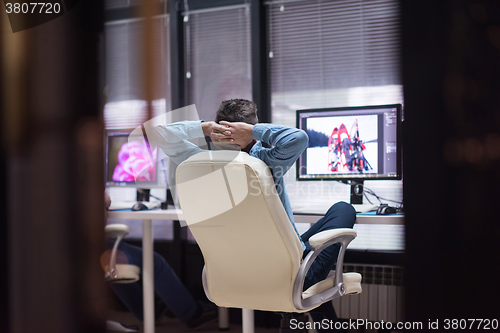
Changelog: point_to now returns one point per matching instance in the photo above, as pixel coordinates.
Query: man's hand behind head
(216, 132)
(241, 133)
(220, 135)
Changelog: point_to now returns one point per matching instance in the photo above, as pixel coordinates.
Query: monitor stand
(169, 201)
(356, 192)
(143, 194)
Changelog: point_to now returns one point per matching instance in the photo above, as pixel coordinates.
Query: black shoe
(114, 326)
(286, 322)
(160, 308)
(207, 312)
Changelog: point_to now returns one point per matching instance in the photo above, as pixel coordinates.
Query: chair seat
(127, 273)
(352, 282)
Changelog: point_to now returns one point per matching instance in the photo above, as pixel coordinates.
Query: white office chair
(119, 273)
(253, 257)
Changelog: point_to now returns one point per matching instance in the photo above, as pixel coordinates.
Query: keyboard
(118, 205)
(321, 209)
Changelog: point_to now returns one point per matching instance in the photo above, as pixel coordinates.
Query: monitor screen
(128, 160)
(351, 143)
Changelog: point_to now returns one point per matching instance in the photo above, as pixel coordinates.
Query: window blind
(332, 53)
(115, 4)
(126, 106)
(217, 57)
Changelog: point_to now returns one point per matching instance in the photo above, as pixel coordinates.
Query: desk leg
(148, 276)
(248, 321)
(179, 249)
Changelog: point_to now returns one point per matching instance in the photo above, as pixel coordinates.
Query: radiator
(382, 296)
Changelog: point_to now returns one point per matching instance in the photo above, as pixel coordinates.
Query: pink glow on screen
(133, 156)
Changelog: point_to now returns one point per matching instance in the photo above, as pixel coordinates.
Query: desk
(147, 216)
(375, 232)
(361, 218)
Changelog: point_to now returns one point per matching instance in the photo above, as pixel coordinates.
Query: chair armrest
(352, 282)
(119, 231)
(322, 237)
(114, 230)
(321, 241)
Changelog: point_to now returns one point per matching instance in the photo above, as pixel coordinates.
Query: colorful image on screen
(126, 157)
(342, 145)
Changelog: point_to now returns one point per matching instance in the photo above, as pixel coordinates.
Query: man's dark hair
(237, 110)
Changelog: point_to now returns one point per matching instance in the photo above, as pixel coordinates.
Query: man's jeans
(340, 215)
(167, 285)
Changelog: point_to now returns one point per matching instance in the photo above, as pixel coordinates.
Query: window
(126, 101)
(332, 53)
(125, 105)
(118, 4)
(217, 57)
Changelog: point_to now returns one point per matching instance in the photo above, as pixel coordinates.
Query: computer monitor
(130, 161)
(351, 144)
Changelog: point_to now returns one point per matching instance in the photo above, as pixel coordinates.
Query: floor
(171, 325)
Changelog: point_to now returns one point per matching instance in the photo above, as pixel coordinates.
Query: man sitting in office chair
(168, 287)
(279, 147)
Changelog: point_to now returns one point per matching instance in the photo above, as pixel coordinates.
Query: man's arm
(287, 142)
(173, 138)
(287, 145)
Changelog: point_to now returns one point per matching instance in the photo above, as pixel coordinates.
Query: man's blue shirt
(287, 143)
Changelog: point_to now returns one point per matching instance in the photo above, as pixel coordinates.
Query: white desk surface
(153, 214)
(302, 217)
(361, 218)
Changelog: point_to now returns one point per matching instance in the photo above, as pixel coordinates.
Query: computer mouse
(385, 210)
(139, 206)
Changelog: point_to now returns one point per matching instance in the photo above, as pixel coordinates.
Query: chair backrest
(252, 253)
